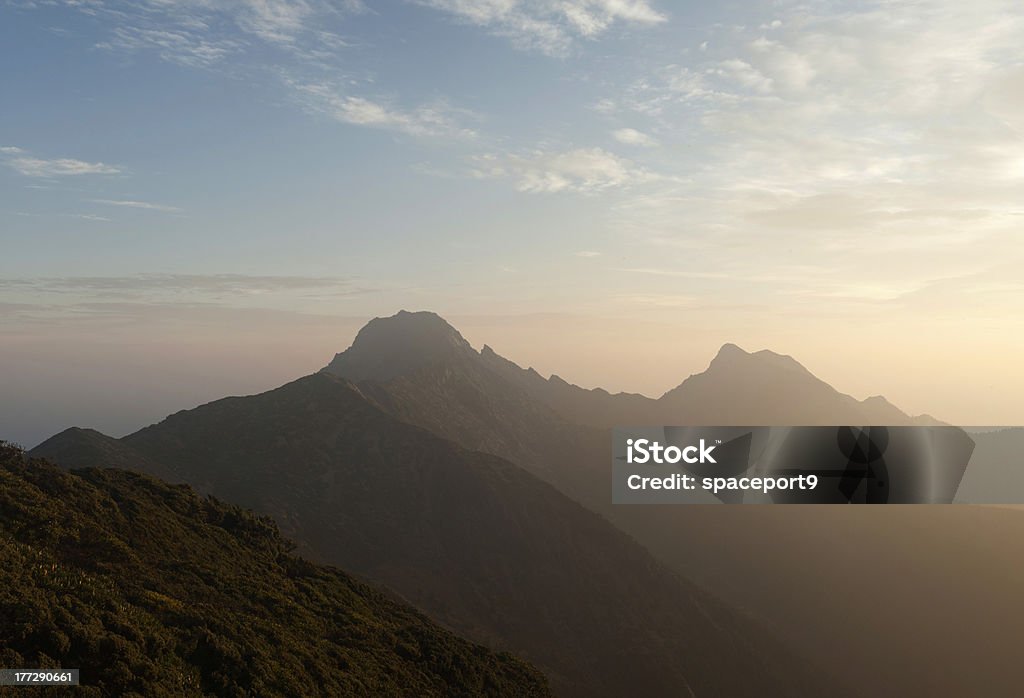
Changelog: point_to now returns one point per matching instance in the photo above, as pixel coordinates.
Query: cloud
(177, 283)
(589, 254)
(875, 143)
(287, 293)
(582, 170)
(631, 136)
(293, 40)
(436, 119)
(137, 204)
(274, 20)
(746, 75)
(182, 46)
(548, 26)
(202, 33)
(59, 167)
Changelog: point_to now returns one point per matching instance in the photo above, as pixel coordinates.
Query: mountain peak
(392, 346)
(731, 356)
(730, 350)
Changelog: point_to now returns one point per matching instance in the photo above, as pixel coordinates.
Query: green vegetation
(152, 590)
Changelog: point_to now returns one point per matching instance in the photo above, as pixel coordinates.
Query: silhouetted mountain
(389, 347)
(738, 388)
(765, 388)
(596, 407)
(472, 539)
(152, 590)
(819, 575)
(457, 395)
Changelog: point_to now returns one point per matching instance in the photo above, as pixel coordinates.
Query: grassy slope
(152, 590)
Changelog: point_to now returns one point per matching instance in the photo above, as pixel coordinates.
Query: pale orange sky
(124, 372)
(604, 189)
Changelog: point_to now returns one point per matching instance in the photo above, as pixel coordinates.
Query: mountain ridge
(489, 405)
(749, 554)
(471, 538)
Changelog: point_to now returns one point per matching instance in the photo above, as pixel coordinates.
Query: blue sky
(606, 189)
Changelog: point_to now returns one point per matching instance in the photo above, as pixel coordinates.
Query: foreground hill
(472, 539)
(152, 590)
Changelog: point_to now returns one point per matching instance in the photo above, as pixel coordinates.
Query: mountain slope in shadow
(152, 590)
(472, 539)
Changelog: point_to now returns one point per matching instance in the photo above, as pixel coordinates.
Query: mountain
(765, 388)
(474, 540)
(389, 347)
(893, 600)
(152, 590)
(452, 392)
(558, 431)
(738, 388)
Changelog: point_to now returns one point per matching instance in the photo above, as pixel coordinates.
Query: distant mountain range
(472, 539)
(413, 351)
(853, 588)
(151, 590)
(420, 463)
(737, 388)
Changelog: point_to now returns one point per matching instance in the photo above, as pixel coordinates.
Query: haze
(207, 198)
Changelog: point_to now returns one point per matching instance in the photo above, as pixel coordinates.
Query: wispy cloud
(179, 45)
(880, 143)
(437, 119)
(76, 294)
(274, 20)
(630, 136)
(548, 26)
(30, 166)
(215, 284)
(127, 203)
(203, 33)
(581, 170)
(272, 39)
(90, 217)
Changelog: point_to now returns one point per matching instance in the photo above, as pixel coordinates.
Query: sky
(210, 197)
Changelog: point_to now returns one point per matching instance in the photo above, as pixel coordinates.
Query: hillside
(472, 539)
(152, 590)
